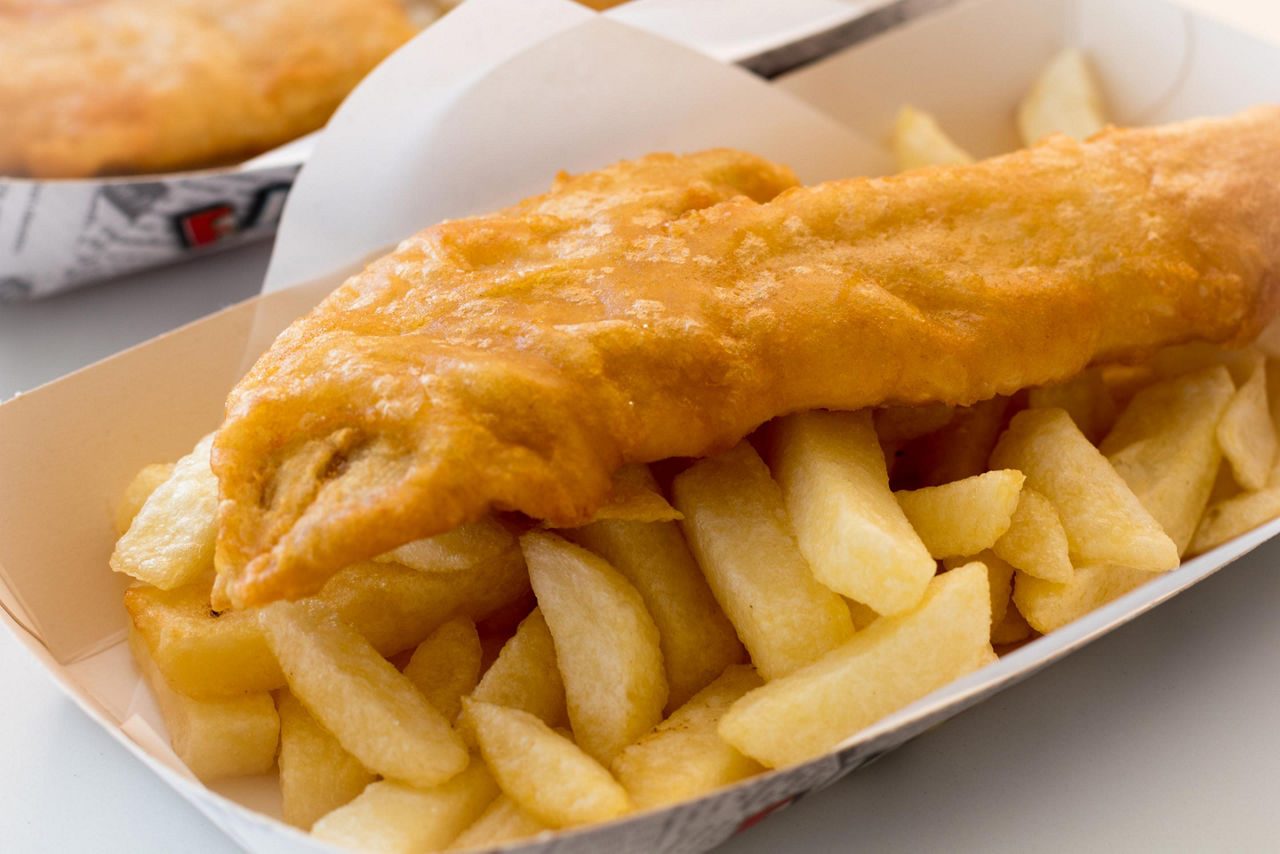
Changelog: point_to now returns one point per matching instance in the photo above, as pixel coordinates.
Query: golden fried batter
(513, 361)
(114, 86)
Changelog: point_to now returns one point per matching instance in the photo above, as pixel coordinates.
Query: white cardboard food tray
(60, 234)
(579, 91)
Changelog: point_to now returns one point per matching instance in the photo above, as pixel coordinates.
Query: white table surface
(1162, 736)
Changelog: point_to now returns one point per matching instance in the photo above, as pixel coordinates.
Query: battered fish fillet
(116, 86)
(514, 361)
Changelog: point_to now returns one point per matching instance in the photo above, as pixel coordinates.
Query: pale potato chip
(697, 640)
(525, 676)
(170, 541)
(1063, 99)
(999, 580)
(607, 646)
(684, 756)
(395, 608)
(1164, 448)
(504, 821)
(459, 550)
(919, 141)
(1085, 397)
(374, 711)
(138, 491)
(891, 663)
(966, 516)
(737, 528)
(847, 522)
(214, 738)
(635, 497)
(1104, 521)
(395, 818)
(1035, 542)
(546, 774)
(317, 774)
(446, 666)
(1246, 432)
(1048, 606)
(209, 654)
(1014, 628)
(1228, 519)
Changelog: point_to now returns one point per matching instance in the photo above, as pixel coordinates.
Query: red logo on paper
(753, 820)
(207, 225)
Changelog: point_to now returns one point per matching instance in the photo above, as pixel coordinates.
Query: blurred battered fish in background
(118, 87)
(134, 86)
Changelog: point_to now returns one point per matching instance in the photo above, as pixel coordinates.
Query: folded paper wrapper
(429, 136)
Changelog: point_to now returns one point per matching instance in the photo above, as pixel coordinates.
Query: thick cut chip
(356, 694)
(464, 548)
(446, 666)
(685, 757)
(138, 491)
(607, 645)
(209, 654)
(395, 608)
(317, 774)
(1064, 99)
(545, 773)
(1014, 628)
(886, 666)
(1048, 606)
(697, 640)
(525, 676)
(170, 541)
(986, 655)
(214, 738)
(736, 525)
(392, 818)
(203, 653)
(999, 580)
(919, 141)
(1164, 448)
(1246, 433)
(504, 821)
(1228, 519)
(1035, 542)
(1104, 521)
(635, 497)
(966, 516)
(1085, 397)
(847, 522)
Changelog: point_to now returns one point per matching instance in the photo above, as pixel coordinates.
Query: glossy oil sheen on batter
(668, 306)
